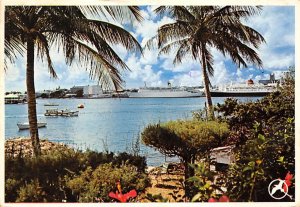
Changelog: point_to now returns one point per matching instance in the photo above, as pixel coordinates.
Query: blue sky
(275, 23)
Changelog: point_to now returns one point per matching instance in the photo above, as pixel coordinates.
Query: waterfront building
(92, 91)
(76, 89)
(15, 98)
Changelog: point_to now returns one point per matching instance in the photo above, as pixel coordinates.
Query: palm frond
(118, 13)
(151, 43)
(176, 12)
(43, 50)
(172, 32)
(115, 35)
(100, 69)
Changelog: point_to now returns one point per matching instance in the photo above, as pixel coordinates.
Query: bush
(31, 192)
(50, 170)
(91, 186)
(185, 139)
(261, 160)
(264, 133)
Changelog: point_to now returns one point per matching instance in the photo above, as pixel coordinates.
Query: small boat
(56, 112)
(25, 125)
(69, 113)
(80, 106)
(51, 104)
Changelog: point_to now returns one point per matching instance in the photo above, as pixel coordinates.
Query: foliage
(197, 29)
(31, 192)
(50, 170)
(92, 184)
(261, 160)
(203, 181)
(185, 139)
(270, 111)
(264, 133)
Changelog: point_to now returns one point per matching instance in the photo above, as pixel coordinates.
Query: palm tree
(35, 29)
(197, 29)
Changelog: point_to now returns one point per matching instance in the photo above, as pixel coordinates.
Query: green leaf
(260, 171)
(247, 168)
(261, 138)
(196, 197)
(251, 164)
(280, 159)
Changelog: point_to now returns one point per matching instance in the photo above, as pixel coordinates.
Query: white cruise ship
(243, 90)
(166, 92)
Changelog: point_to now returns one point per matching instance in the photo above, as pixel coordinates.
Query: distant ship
(248, 89)
(166, 92)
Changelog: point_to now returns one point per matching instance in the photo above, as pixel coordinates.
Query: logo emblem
(278, 189)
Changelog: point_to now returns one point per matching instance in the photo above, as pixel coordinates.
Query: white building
(92, 91)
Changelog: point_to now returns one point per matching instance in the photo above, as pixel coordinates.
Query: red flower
(223, 198)
(288, 181)
(212, 200)
(123, 197)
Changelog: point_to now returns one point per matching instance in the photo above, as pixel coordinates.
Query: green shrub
(51, 169)
(31, 192)
(264, 134)
(259, 161)
(91, 186)
(187, 140)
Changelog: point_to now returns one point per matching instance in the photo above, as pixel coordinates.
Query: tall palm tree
(197, 29)
(35, 29)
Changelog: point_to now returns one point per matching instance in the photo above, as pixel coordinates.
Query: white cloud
(148, 28)
(275, 60)
(149, 57)
(141, 74)
(221, 74)
(192, 78)
(13, 72)
(277, 25)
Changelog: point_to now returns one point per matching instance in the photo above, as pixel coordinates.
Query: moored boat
(80, 106)
(25, 125)
(51, 104)
(56, 112)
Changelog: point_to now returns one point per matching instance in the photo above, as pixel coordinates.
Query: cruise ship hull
(238, 94)
(165, 94)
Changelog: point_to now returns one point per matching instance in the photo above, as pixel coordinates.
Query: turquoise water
(105, 123)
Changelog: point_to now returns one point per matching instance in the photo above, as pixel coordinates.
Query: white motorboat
(25, 125)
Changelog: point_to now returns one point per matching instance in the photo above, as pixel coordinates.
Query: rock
(15, 146)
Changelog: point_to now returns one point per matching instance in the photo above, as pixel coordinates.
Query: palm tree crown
(69, 29)
(198, 28)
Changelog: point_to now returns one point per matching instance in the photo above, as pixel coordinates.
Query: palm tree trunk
(32, 118)
(210, 110)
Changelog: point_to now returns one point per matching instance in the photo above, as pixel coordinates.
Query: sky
(275, 23)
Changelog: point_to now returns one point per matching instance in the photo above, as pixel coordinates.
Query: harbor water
(112, 124)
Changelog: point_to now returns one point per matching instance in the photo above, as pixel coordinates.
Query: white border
(3, 3)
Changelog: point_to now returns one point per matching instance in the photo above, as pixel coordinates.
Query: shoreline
(16, 145)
